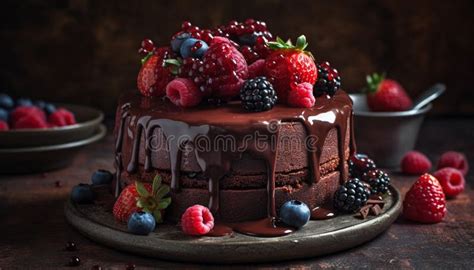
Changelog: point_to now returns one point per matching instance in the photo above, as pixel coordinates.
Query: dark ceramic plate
(44, 158)
(88, 120)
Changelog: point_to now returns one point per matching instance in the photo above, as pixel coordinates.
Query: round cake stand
(168, 242)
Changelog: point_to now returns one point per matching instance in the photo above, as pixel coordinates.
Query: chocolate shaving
(364, 211)
(375, 210)
(380, 203)
(373, 207)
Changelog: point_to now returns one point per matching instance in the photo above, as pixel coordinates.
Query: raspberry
(455, 160)
(197, 220)
(3, 126)
(30, 121)
(415, 163)
(22, 111)
(425, 201)
(61, 117)
(452, 181)
(302, 96)
(183, 92)
(256, 68)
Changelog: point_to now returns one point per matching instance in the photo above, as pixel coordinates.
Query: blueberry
(185, 49)
(82, 194)
(178, 40)
(101, 177)
(4, 115)
(249, 39)
(6, 102)
(49, 108)
(294, 213)
(141, 223)
(24, 102)
(40, 104)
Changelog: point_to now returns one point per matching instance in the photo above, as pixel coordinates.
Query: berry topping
(415, 163)
(455, 160)
(360, 164)
(289, 65)
(30, 121)
(6, 102)
(142, 197)
(4, 115)
(258, 95)
(183, 92)
(351, 196)
(256, 68)
(146, 47)
(328, 81)
(192, 47)
(178, 39)
(23, 111)
(4, 126)
(141, 223)
(295, 213)
(425, 201)
(101, 177)
(377, 180)
(61, 117)
(154, 75)
(197, 220)
(386, 95)
(302, 96)
(82, 194)
(452, 181)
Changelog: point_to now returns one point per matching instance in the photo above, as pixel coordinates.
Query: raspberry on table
(454, 159)
(302, 96)
(197, 220)
(258, 95)
(425, 201)
(415, 163)
(452, 181)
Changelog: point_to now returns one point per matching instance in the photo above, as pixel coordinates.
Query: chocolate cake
(243, 165)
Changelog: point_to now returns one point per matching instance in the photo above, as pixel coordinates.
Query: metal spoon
(429, 95)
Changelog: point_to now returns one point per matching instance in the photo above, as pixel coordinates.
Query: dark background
(84, 52)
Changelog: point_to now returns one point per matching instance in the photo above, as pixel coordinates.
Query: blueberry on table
(192, 47)
(295, 213)
(101, 177)
(24, 102)
(141, 223)
(82, 194)
(6, 102)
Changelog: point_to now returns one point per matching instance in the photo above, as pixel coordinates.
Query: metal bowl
(385, 136)
(88, 119)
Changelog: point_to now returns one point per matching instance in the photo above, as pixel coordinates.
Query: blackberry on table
(360, 164)
(258, 95)
(351, 196)
(328, 81)
(378, 181)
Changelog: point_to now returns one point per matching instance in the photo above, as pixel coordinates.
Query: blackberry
(378, 181)
(360, 164)
(328, 81)
(258, 95)
(351, 196)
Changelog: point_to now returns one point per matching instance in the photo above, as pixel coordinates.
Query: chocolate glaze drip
(124, 113)
(182, 128)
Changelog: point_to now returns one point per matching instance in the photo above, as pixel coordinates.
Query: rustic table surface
(33, 230)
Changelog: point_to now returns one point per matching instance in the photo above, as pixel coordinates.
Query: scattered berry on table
(197, 220)
(258, 95)
(61, 117)
(256, 68)
(192, 47)
(415, 163)
(6, 102)
(4, 126)
(102, 177)
(289, 65)
(378, 181)
(301, 96)
(425, 201)
(154, 75)
(183, 92)
(351, 196)
(82, 194)
(178, 39)
(455, 160)
(74, 261)
(71, 246)
(328, 81)
(141, 223)
(295, 213)
(386, 95)
(23, 102)
(4, 115)
(451, 180)
(360, 164)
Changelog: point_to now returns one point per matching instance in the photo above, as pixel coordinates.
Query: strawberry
(289, 65)
(143, 197)
(425, 201)
(154, 75)
(385, 95)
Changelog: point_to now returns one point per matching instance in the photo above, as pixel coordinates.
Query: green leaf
(289, 43)
(301, 43)
(141, 190)
(144, 59)
(172, 62)
(279, 40)
(275, 45)
(162, 191)
(156, 184)
(157, 215)
(164, 203)
(141, 202)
